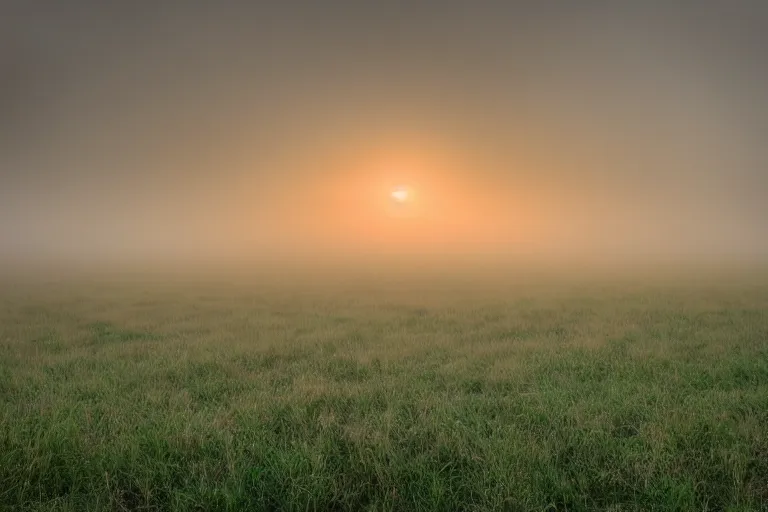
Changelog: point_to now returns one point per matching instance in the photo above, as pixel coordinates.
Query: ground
(384, 396)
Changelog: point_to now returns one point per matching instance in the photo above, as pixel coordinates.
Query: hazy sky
(135, 131)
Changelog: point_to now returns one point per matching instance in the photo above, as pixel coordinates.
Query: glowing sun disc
(400, 195)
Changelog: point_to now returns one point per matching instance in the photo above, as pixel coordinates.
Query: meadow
(384, 395)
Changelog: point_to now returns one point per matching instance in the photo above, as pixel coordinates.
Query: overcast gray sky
(132, 131)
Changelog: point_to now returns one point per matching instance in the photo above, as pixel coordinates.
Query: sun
(400, 194)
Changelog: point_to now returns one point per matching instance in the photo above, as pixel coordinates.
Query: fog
(265, 137)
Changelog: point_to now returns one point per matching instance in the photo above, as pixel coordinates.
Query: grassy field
(391, 396)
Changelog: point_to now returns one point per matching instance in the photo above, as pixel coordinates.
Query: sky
(229, 134)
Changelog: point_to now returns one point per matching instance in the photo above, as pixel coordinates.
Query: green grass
(398, 397)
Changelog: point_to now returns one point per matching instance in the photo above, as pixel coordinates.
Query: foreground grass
(429, 399)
